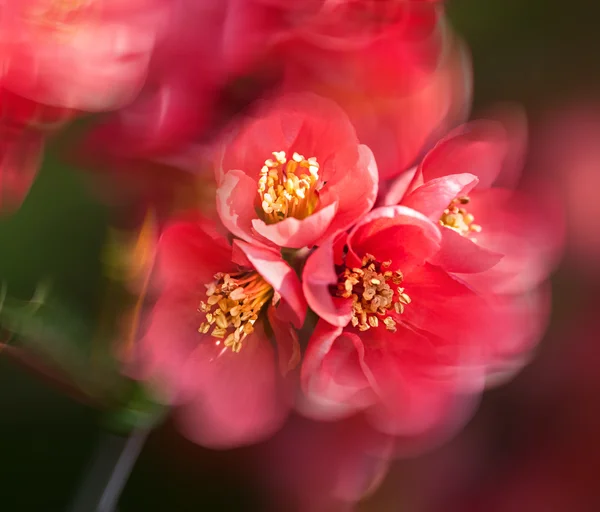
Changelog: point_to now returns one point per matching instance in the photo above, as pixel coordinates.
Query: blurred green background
(537, 52)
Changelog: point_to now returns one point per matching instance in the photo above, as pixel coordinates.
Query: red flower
(207, 347)
(323, 466)
(82, 54)
(295, 174)
(500, 241)
(394, 67)
(398, 335)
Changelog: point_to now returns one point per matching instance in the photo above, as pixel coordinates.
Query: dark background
(540, 53)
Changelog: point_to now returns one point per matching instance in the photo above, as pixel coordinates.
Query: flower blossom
(78, 54)
(503, 242)
(295, 174)
(396, 68)
(208, 345)
(397, 335)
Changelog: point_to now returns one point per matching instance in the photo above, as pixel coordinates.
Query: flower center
(375, 293)
(288, 188)
(233, 305)
(457, 217)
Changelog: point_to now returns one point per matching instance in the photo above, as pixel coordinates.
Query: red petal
(234, 398)
(295, 233)
(317, 277)
(432, 198)
(478, 148)
(271, 266)
(189, 253)
(459, 254)
(396, 233)
(236, 197)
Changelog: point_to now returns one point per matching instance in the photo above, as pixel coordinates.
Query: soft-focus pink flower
(565, 147)
(403, 84)
(397, 336)
(295, 174)
(207, 347)
(315, 466)
(207, 46)
(79, 54)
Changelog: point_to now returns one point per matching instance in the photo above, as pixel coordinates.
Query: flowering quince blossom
(357, 460)
(208, 341)
(78, 54)
(397, 335)
(295, 174)
(500, 241)
(404, 80)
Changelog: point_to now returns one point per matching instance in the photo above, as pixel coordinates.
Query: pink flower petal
(432, 198)
(459, 254)
(478, 148)
(333, 381)
(296, 233)
(354, 201)
(271, 266)
(317, 278)
(236, 197)
(396, 233)
(234, 398)
(398, 187)
(190, 253)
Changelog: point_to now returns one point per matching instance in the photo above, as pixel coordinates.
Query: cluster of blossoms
(363, 254)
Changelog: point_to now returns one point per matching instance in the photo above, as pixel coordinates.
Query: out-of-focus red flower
(79, 54)
(207, 45)
(208, 343)
(324, 466)
(295, 174)
(397, 336)
(566, 149)
(404, 81)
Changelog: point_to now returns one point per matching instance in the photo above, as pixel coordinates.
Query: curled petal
(355, 201)
(433, 197)
(333, 380)
(478, 148)
(317, 278)
(271, 266)
(298, 233)
(236, 197)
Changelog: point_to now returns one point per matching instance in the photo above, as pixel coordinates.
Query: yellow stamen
(233, 305)
(374, 293)
(457, 217)
(288, 188)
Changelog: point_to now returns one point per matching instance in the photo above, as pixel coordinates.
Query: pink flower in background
(323, 466)
(500, 241)
(398, 336)
(565, 148)
(208, 345)
(78, 54)
(295, 174)
(403, 83)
